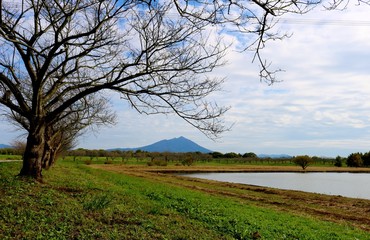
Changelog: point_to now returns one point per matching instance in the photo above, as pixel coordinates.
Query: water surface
(355, 185)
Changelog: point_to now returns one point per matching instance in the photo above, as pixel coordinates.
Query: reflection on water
(355, 185)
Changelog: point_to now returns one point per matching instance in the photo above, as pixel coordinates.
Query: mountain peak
(179, 144)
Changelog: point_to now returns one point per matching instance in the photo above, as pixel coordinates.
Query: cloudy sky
(321, 108)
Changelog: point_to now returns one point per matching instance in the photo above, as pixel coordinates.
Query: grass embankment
(78, 202)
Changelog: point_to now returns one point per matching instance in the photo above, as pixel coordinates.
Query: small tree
(338, 161)
(354, 160)
(366, 159)
(303, 161)
(18, 145)
(188, 159)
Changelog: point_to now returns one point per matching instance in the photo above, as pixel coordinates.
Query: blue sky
(321, 108)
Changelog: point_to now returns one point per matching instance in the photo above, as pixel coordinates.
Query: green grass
(78, 202)
(10, 157)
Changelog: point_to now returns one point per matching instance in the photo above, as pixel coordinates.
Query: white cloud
(322, 104)
(321, 108)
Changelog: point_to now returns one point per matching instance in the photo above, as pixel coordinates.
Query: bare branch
(59, 59)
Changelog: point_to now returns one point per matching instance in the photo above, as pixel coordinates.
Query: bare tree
(19, 145)
(61, 136)
(90, 113)
(303, 161)
(55, 54)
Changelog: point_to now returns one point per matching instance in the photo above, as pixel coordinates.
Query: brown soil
(349, 211)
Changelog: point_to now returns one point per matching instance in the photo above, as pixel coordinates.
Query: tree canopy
(59, 59)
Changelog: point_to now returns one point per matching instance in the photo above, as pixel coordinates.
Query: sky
(320, 108)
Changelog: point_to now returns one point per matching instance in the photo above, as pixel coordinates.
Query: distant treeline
(139, 155)
(353, 160)
(161, 158)
(11, 151)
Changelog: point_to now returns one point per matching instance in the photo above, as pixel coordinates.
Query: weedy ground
(127, 202)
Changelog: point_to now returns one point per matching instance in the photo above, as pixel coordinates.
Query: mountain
(5, 146)
(180, 144)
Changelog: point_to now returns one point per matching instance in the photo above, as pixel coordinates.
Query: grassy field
(128, 202)
(10, 157)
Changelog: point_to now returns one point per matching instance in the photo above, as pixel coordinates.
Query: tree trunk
(32, 158)
(46, 159)
(49, 157)
(47, 154)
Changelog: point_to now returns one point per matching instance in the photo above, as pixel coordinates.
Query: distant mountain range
(5, 146)
(180, 144)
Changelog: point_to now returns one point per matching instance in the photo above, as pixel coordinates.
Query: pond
(354, 185)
